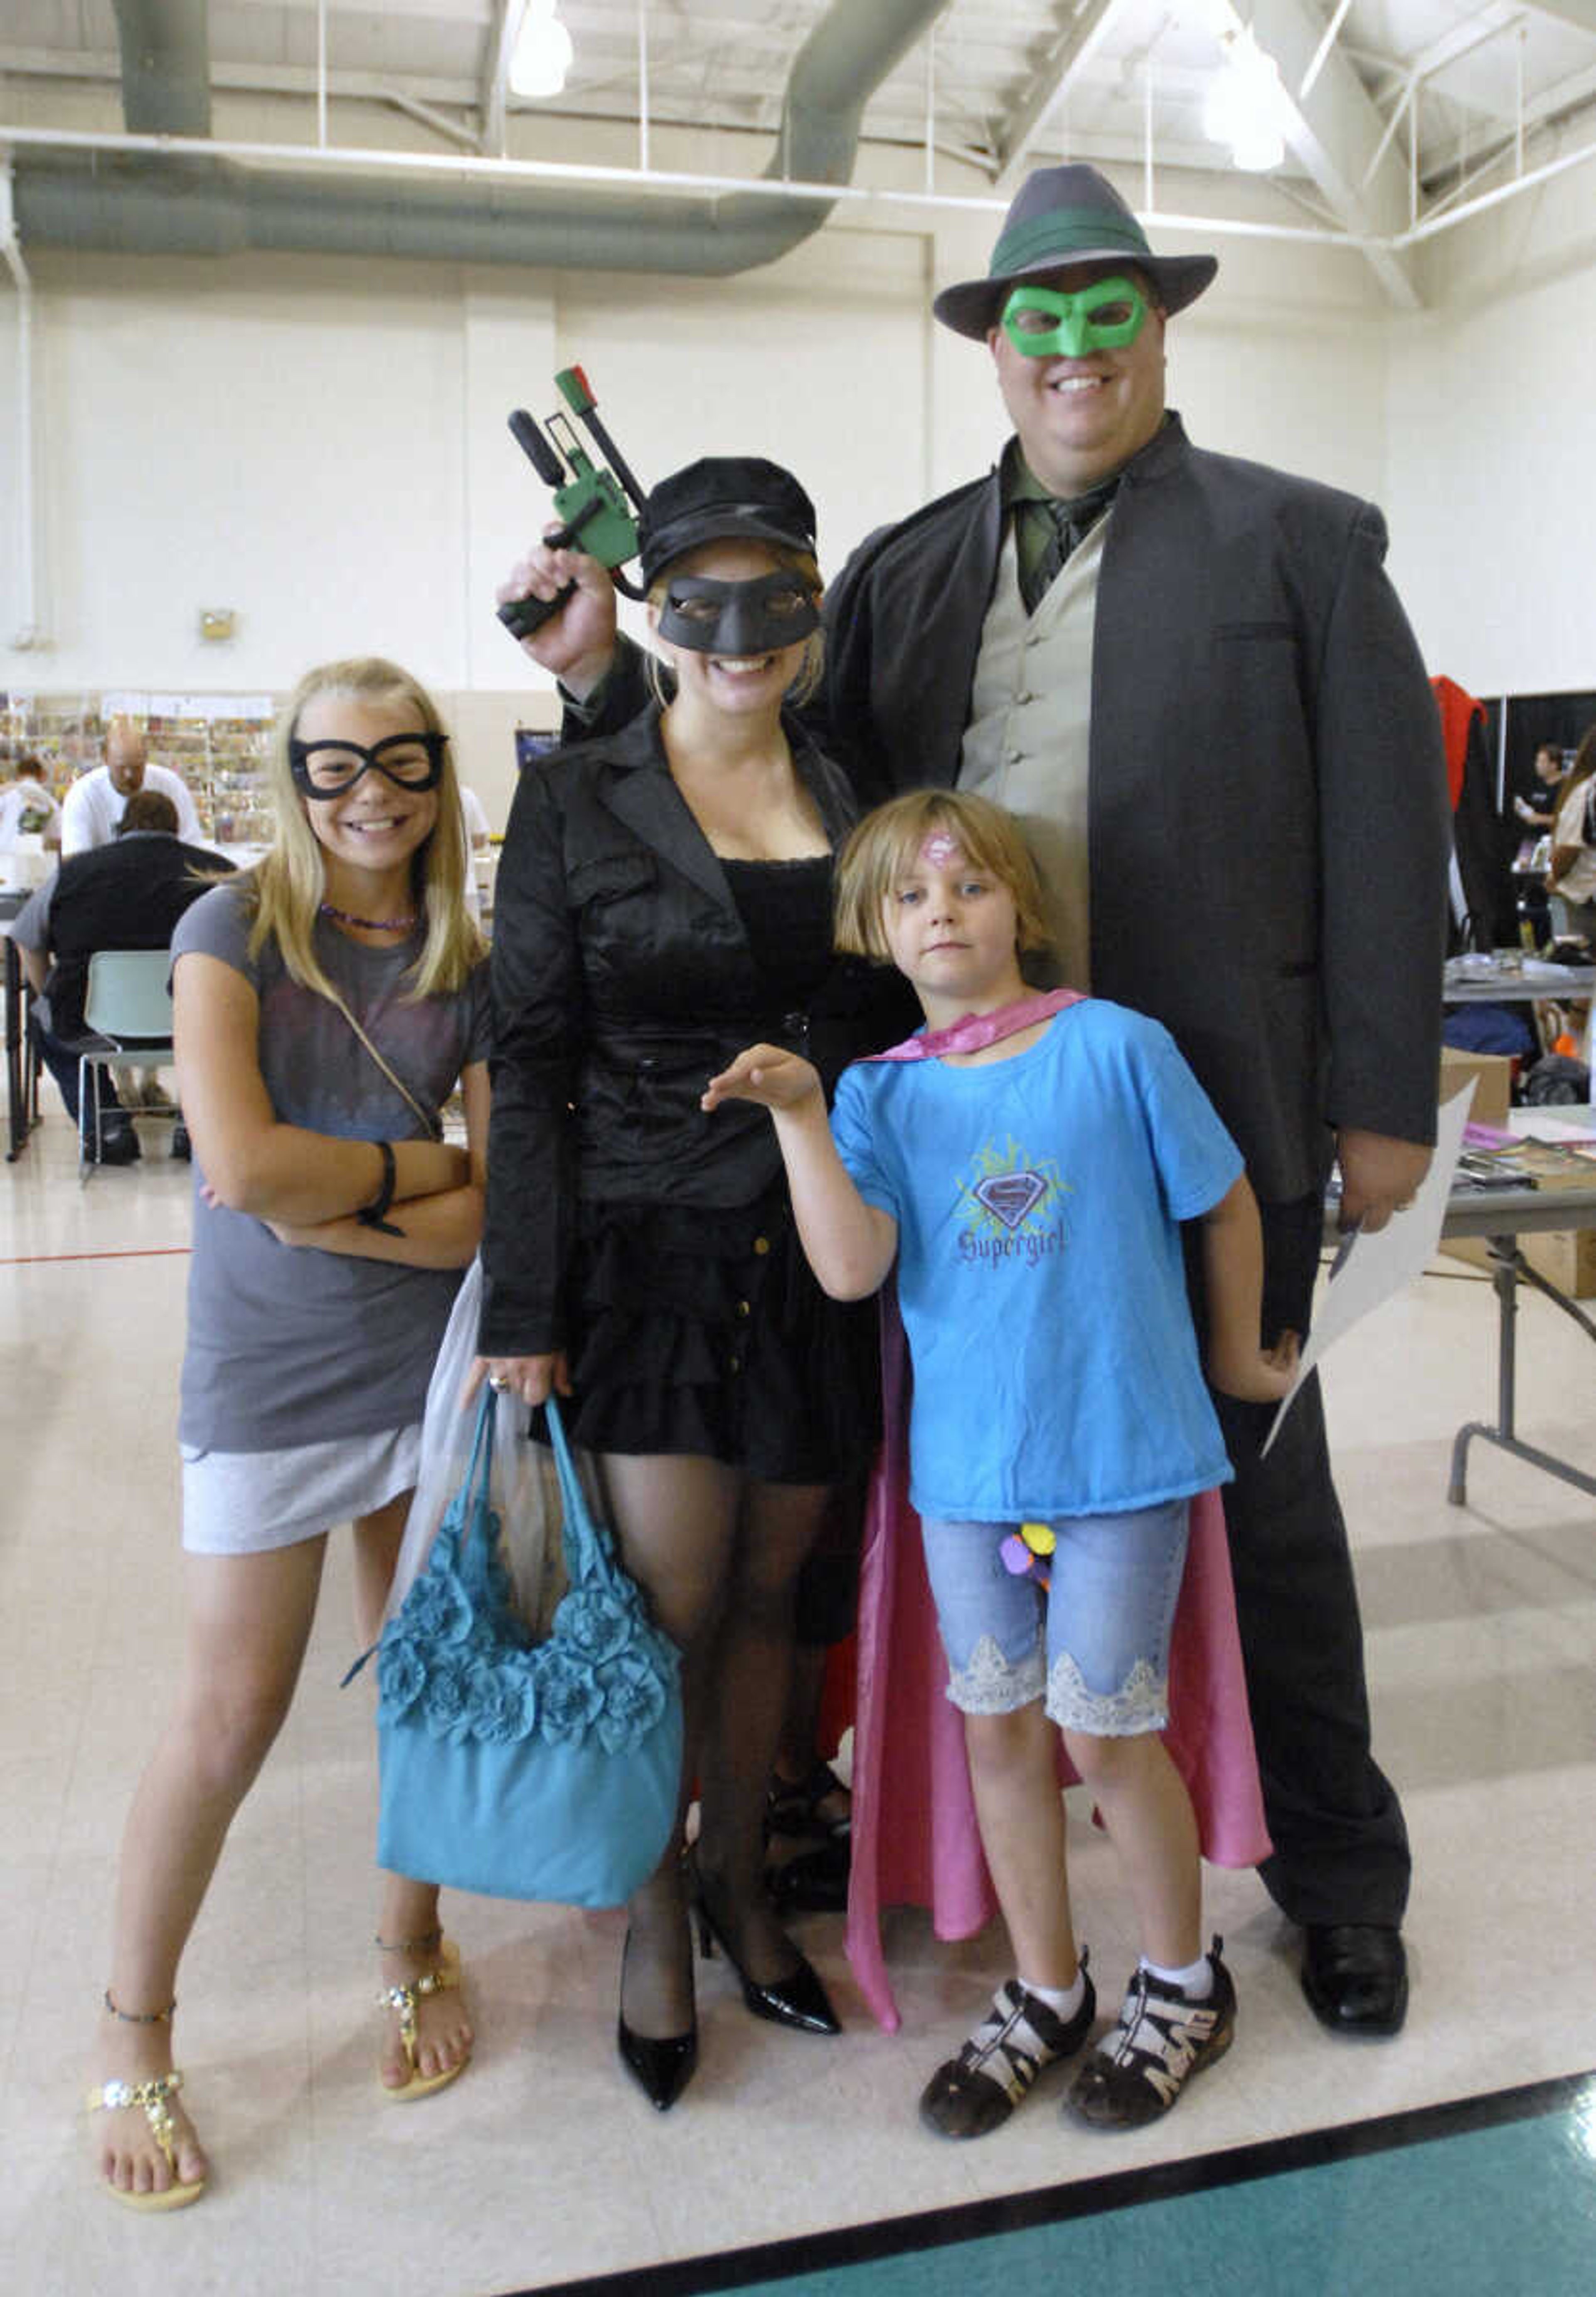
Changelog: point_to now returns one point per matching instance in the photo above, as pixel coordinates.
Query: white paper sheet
(1369, 1269)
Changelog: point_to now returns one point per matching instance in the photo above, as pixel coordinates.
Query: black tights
(718, 1556)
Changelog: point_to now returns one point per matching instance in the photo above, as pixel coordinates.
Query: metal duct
(166, 58)
(141, 203)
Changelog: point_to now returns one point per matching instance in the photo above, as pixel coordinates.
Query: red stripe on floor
(136, 1252)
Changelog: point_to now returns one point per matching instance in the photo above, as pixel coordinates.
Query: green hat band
(1060, 230)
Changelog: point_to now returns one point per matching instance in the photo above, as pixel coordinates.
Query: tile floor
(543, 2165)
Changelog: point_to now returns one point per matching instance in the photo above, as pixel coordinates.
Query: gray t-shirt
(290, 1346)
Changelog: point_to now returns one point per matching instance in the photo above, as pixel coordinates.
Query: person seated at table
(1539, 810)
(29, 807)
(129, 895)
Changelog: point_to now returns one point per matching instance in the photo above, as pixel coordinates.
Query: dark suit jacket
(129, 895)
(622, 980)
(1269, 824)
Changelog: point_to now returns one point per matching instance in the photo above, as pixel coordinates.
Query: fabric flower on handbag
(595, 1622)
(569, 1697)
(400, 1674)
(501, 1701)
(438, 1610)
(443, 1707)
(634, 1700)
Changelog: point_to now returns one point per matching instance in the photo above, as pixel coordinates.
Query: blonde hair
(804, 564)
(884, 843)
(287, 884)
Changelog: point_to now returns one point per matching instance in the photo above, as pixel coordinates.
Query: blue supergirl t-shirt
(1041, 1277)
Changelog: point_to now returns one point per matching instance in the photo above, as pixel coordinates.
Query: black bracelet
(374, 1214)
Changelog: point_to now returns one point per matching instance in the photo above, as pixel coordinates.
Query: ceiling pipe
(166, 66)
(142, 202)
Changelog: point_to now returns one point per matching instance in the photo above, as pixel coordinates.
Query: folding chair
(127, 1012)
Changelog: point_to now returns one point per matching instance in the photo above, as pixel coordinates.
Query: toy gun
(589, 499)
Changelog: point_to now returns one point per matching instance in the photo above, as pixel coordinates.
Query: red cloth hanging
(1458, 710)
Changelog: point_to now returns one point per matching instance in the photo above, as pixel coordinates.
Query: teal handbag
(526, 1770)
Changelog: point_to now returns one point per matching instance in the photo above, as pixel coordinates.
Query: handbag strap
(429, 1117)
(472, 1505)
(589, 1554)
(475, 1497)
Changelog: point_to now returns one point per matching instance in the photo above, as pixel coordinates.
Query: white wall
(319, 443)
(1491, 419)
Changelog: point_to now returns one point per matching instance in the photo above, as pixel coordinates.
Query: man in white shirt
(28, 804)
(92, 809)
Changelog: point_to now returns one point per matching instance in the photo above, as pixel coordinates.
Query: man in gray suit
(1190, 678)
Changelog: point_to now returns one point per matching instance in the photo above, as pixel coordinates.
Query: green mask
(1104, 317)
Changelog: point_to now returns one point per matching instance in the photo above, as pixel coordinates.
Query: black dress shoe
(118, 1145)
(661, 2068)
(1355, 1976)
(813, 1882)
(797, 1999)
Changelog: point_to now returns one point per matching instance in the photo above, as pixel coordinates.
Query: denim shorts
(1095, 1643)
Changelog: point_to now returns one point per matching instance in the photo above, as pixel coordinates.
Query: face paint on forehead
(940, 849)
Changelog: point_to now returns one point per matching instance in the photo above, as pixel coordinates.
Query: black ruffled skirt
(704, 1332)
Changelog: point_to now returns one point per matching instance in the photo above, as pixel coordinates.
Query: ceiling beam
(1067, 56)
(1334, 131)
(500, 40)
(1463, 40)
(104, 64)
(1580, 13)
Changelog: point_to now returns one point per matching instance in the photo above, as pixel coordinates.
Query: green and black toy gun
(590, 499)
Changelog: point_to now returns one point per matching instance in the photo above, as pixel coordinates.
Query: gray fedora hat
(1067, 215)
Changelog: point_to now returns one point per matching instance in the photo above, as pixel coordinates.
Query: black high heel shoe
(661, 2068)
(799, 1999)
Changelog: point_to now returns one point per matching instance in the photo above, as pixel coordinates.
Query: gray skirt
(248, 1503)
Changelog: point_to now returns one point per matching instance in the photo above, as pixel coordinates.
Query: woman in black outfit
(663, 900)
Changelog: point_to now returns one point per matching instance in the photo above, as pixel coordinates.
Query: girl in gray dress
(326, 1005)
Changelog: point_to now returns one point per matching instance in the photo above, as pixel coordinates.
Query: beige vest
(1027, 741)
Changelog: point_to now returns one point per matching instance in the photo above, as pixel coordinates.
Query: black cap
(723, 498)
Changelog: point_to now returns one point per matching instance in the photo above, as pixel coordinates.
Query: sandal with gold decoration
(402, 2000)
(151, 2096)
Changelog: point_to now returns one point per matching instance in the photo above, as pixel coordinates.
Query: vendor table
(1502, 1216)
(1506, 978)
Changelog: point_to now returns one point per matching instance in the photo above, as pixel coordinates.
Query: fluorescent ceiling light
(1246, 104)
(542, 53)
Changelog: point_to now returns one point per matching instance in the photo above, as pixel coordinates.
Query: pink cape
(914, 1837)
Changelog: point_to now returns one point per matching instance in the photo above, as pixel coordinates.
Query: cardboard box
(1564, 1257)
(1493, 1086)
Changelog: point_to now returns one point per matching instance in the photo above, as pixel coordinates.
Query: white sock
(1063, 2001)
(1196, 1981)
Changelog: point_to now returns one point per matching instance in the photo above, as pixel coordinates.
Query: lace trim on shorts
(1139, 1704)
(992, 1685)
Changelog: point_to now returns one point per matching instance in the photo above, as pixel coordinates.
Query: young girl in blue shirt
(1025, 1162)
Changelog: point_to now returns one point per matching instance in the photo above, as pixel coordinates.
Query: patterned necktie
(1070, 523)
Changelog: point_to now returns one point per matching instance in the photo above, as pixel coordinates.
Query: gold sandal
(152, 2096)
(402, 2000)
